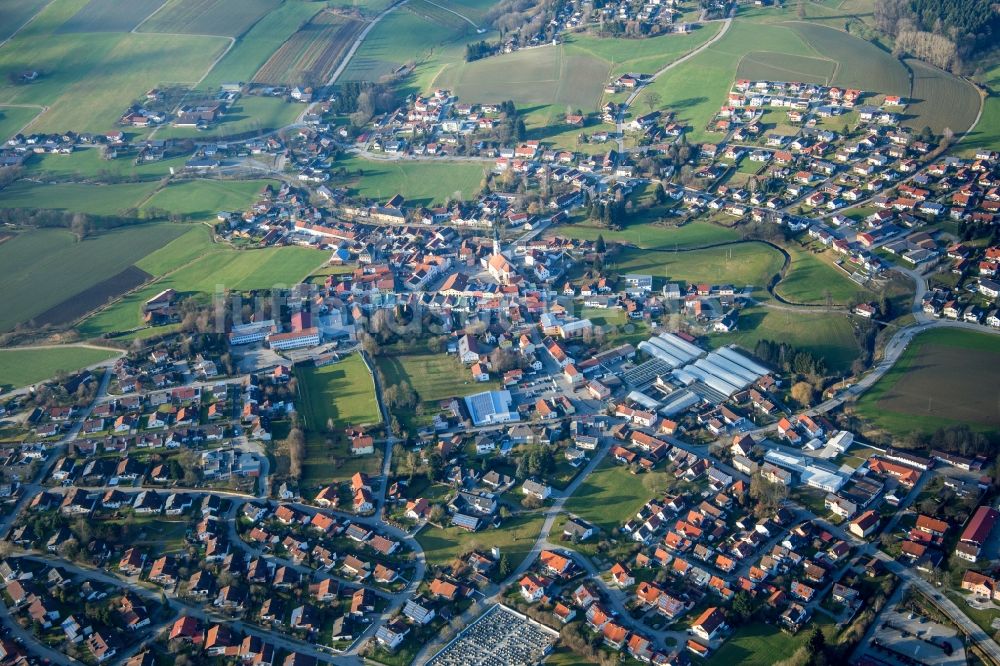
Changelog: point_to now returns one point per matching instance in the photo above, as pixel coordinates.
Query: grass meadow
(22, 367)
(204, 198)
(611, 494)
(829, 335)
(738, 264)
(13, 118)
(420, 182)
(514, 538)
(77, 197)
(229, 18)
(987, 131)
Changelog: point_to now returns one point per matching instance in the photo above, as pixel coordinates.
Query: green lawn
(945, 377)
(828, 335)
(652, 236)
(87, 163)
(209, 17)
(434, 377)
(41, 269)
(200, 270)
(204, 198)
(612, 494)
(250, 114)
(21, 367)
(760, 644)
(811, 277)
(420, 182)
(514, 538)
(739, 264)
(108, 200)
(987, 132)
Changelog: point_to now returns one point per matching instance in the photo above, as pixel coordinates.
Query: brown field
(945, 382)
(93, 297)
(311, 54)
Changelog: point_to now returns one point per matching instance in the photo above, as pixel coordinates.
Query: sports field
(945, 377)
(825, 334)
(204, 198)
(41, 269)
(342, 391)
(230, 18)
(110, 16)
(420, 182)
(21, 367)
(311, 54)
(740, 264)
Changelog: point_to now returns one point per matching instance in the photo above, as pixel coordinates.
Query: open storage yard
(311, 54)
(945, 377)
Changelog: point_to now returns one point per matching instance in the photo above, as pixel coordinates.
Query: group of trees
(363, 99)
(790, 359)
(946, 33)
(294, 445)
(480, 49)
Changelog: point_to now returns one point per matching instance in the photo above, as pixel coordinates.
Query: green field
(945, 377)
(76, 197)
(739, 264)
(341, 391)
(811, 278)
(760, 644)
(192, 265)
(110, 16)
(987, 131)
(420, 182)
(15, 13)
(204, 198)
(409, 34)
(13, 118)
(434, 377)
(21, 367)
(828, 335)
(612, 494)
(640, 55)
(230, 18)
(344, 393)
(650, 236)
(940, 100)
(770, 66)
(87, 164)
(862, 64)
(514, 538)
(544, 82)
(257, 45)
(89, 79)
(41, 269)
(250, 114)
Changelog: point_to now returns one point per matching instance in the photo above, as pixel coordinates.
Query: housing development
(500, 332)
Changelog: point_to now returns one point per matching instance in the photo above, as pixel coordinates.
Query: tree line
(945, 33)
